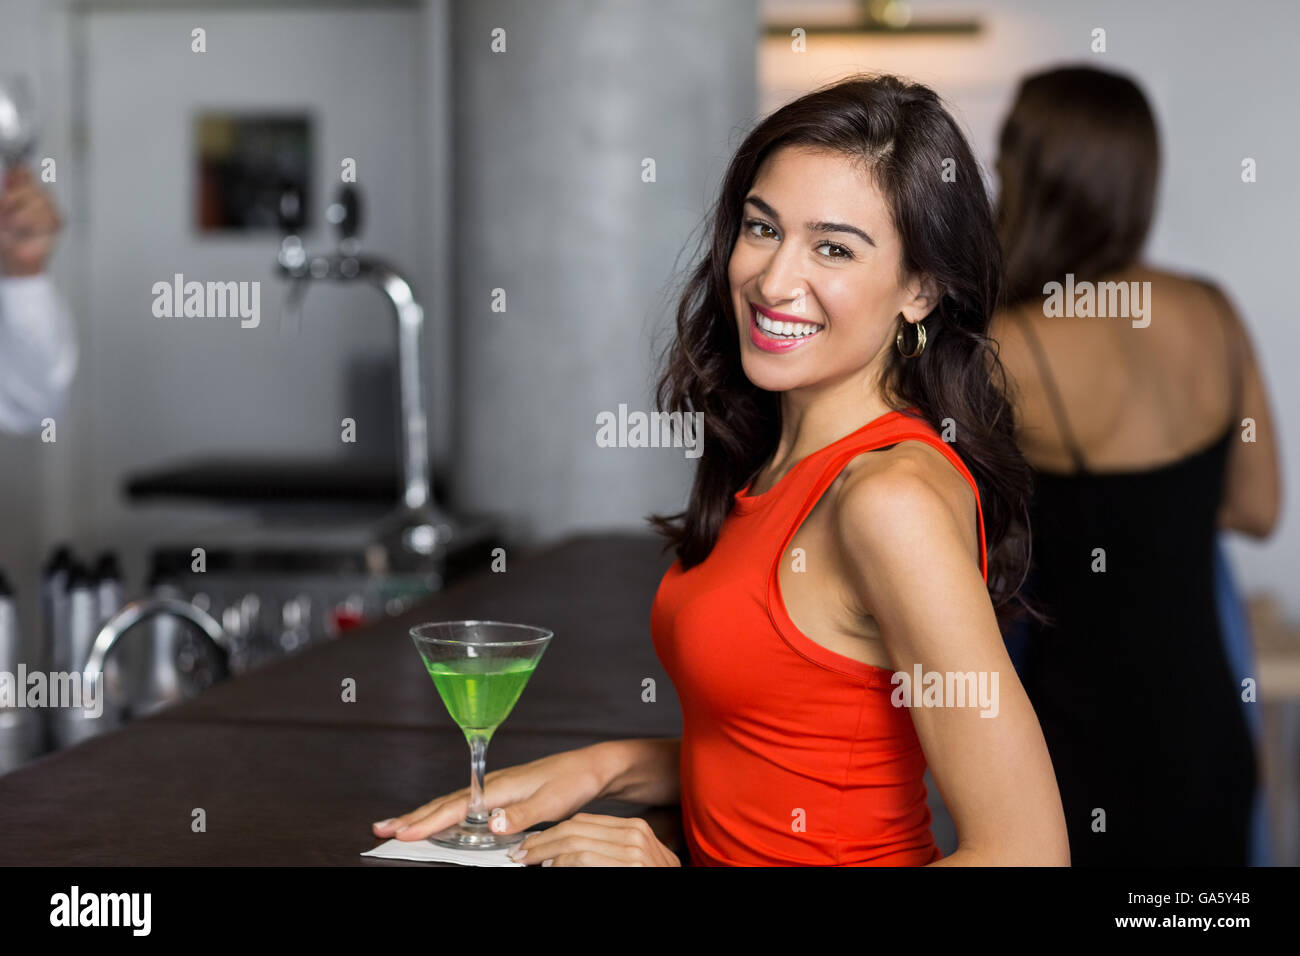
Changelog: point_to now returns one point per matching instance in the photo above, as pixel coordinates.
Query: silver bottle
(109, 598)
(11, 650)
(21, 728)
(53, 655)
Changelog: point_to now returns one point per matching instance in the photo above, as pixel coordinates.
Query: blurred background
(505, 188)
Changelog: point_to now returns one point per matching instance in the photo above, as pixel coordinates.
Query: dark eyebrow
(813, 226)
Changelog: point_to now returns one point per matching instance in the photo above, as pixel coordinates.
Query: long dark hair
(1078, 159)
(903, 133)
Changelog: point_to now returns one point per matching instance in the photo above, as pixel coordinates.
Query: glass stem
(477, 754)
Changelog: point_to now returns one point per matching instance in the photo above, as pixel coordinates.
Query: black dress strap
(1053, 395)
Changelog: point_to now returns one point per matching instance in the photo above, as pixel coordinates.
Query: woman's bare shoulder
(1188, 289)
(913, 476)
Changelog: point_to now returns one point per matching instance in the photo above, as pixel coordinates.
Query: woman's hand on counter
(551, 788)
(589, 839)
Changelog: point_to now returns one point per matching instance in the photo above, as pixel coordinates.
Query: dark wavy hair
(904, 136)
(1078, 157)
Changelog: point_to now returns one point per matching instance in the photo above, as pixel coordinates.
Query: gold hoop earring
(920, 340)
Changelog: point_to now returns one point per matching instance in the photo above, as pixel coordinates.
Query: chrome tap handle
(290, 212)
(419, 528)
(345, 213)
(137, 611)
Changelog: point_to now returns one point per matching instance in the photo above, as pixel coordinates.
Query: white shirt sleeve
(38, 351)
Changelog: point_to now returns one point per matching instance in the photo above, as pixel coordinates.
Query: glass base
(474, 836)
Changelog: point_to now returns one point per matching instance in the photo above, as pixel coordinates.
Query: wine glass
(480, 668)
(17, 119)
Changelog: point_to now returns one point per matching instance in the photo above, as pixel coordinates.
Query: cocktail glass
(17, 120)
(480, 668)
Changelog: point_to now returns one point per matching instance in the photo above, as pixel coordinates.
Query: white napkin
(427, 852)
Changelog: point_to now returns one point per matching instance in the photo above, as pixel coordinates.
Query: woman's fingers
(517, 798)
(549, 802)
(581, 850)
(442, 812)
(425, 819)
(589, 858)
(625, 842)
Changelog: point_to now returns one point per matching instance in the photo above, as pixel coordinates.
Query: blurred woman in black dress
(1144, 415)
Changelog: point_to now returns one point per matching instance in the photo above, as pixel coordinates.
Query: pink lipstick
(770, 340)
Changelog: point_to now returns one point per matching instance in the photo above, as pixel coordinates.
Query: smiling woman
(837, 216)
(880, 460)
(857, 514)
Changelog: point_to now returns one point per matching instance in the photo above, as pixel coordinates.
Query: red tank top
(792, 753)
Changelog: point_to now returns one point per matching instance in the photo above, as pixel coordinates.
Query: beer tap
(418, 530)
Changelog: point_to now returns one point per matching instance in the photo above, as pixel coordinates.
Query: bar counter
(286, 772)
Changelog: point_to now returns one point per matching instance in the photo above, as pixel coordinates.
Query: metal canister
(109, 591)
(83, 616)
(109, 598)
(70, 724)
(20, 727)
(53, 655)
(11, 650)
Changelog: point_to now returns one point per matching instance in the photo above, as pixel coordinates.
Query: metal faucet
(138, 611)
(71, 726)
(420, 526)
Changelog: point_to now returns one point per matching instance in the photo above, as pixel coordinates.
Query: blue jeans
(1240, 647)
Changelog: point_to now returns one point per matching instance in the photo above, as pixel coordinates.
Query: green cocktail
(480, 668)
(480, 692)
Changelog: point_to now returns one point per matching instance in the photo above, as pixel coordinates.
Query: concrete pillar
(549, 139)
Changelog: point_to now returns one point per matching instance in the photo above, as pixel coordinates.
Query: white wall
(1222, 79)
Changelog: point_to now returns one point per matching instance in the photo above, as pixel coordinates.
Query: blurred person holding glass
(38, 350)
